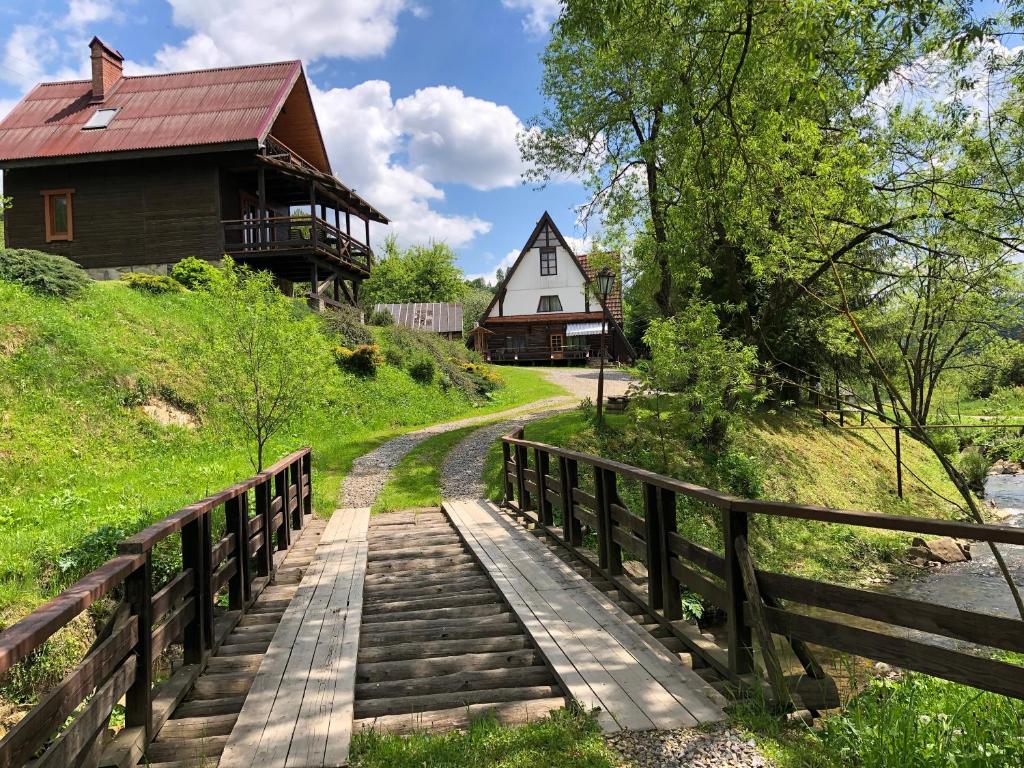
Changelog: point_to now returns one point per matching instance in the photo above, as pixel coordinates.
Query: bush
(195, 274)
(455, 366)
(423, 369)
(364, 360)
(347, 324)
(42, 272)
(155, 284)
(946, 441)
(975, 465)
(1000, 365)
(741, 473)
(382, 318)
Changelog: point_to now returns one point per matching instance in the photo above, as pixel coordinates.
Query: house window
(57, 214)
(548, 262)
(557, 342)
(100, 119)
(549, 304)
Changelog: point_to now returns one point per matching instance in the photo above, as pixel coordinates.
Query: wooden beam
(757, 607)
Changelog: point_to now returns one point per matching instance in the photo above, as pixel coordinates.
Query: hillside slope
(82, 464)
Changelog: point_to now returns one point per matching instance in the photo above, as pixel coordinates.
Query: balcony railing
(288, 234)
(526, 354)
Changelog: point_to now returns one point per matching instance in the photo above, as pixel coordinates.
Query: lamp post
(605, 278)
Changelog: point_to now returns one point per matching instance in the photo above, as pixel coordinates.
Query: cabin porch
(281, 214)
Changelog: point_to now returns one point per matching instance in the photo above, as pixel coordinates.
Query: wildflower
(924, 719)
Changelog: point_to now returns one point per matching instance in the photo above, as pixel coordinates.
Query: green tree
(420, 273)
(474, 303)
(5, 205)
(262, 357)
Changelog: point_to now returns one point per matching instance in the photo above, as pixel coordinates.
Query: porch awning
(583, 329)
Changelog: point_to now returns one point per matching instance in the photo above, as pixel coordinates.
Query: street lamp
(605, 279)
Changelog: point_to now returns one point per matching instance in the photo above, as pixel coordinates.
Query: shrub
(946, 440)
(974, 465)
(1000, 365)
(155, 284)
(195, 274)
(396, 356)
(381, 317)
(741, 473)
(347, 324)
(42, 272)
(364, 360)
(423, 369)
(455, 365)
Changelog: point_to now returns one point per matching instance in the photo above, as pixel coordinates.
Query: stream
(977, 585)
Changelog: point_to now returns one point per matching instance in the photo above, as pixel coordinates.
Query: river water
(978, 585)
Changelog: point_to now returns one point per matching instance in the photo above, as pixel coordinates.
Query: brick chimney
(107, 66)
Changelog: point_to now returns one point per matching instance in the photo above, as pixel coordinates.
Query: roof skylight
(100, 119)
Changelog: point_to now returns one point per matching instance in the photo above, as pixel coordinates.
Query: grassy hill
(82, 464)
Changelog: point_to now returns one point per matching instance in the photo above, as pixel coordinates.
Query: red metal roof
(615, 297)
(182, 109)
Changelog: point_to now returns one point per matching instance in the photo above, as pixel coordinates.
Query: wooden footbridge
(281, 636)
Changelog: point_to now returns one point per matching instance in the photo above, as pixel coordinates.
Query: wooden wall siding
(125, 213)
(536, 336)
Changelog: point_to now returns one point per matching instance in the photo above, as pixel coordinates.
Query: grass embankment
(786, 457)
(83, 465)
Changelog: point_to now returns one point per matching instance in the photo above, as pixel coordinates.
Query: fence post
(195, 555)
(611, 496)
(284, 532)
(236, 523)
(295, 469)
(657, 560)
(738, 634)
(542, 461)
(138, 593)
(506, 459)
(265, 562)
(899, 463)
(307, 473)
(569, 477)
(602, 521)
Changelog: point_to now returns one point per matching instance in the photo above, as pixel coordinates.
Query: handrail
(553, 481)
(262, 238)
(237, 561)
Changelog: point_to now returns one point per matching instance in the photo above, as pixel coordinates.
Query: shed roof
(436, 317)
(181, 109)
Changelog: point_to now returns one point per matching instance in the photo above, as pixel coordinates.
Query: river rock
(1005, 467)
(943, 550)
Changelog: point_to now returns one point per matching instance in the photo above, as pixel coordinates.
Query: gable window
(549, 304)
(57, 214)
(100, 119)
(548, 262)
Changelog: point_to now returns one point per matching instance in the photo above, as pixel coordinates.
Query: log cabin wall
(125, 213)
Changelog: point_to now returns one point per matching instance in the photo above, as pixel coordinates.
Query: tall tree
(420, 273)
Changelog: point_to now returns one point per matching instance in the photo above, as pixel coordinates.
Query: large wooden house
(136, 173)
(547, 309)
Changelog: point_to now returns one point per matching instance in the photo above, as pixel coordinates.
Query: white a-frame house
(548, 309)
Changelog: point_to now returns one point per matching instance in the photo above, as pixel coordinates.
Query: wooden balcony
(272, 239)
(536, 355)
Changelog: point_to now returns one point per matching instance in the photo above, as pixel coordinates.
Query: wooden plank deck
(298, 712)
(601, 656)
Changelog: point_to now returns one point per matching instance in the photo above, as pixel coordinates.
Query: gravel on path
(716, 747)
(370, 472)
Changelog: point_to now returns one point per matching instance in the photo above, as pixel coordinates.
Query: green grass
(416, 480)
(915, 721)
(81, 465)
(563, 740)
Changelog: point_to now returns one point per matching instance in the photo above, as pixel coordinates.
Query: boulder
(943, 550)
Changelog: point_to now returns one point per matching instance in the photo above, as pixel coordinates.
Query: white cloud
(84, 12)
(580, 245)
(363, 153)
(268, 30)
(490, 275)
(539, 13)
(26, 53)
(457, 138)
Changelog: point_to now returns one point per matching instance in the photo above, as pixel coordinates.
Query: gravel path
(719, 747)
(370, 472)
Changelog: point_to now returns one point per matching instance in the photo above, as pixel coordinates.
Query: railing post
(611, 496)
(295, 470)
(235, 523)
(195, 555)
(603, 519)
(506, 459)
(657, 557)
(899, 463)
(542, 462)
(522, 464)
(284, 533)
(138, 592)
(265, 562)
(307, 473)
(569, 478)
(738, 634)
(671, 592)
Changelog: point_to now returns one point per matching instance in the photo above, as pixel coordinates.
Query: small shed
(443, 319)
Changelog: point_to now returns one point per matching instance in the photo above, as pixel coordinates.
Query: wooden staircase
(439, 643)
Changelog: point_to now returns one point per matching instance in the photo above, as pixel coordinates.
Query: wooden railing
(537, 353)
(227, 555)
(279, 234)
(860, 622)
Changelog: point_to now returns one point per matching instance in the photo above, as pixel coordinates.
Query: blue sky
(420, 101)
